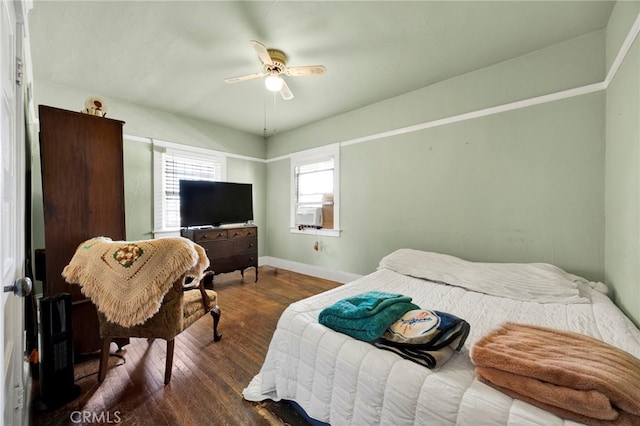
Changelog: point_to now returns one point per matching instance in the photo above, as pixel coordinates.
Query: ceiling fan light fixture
(274, 63)
(273, 83)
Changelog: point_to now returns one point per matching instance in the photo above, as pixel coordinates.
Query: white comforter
(343, 381)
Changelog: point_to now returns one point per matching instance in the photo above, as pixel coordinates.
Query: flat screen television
(206, 203)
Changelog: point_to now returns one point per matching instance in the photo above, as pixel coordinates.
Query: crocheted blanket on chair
(127, 280)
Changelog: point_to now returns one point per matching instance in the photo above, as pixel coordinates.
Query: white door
(12, 207)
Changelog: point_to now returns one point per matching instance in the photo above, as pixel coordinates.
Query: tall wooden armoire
(83, 195)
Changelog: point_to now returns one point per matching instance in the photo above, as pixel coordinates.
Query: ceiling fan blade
(262, 52)
(244, 77)
(285, 92)
(304, 71)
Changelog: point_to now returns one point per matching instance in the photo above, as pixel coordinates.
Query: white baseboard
(303, 268)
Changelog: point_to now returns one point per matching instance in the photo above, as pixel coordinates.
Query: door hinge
(19, 397)
(19, 71)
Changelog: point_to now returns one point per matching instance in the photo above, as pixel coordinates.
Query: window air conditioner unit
(309, 217)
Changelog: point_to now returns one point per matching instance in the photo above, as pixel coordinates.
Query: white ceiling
(174, 55)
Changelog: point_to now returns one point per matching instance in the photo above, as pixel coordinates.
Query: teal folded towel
(366, 316)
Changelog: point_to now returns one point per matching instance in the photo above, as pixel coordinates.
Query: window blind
(175, 167)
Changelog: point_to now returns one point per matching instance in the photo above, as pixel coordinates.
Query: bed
(340, 380)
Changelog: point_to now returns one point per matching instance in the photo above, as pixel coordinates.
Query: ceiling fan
(274, 63)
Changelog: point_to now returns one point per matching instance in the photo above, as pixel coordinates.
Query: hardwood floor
(208, 378)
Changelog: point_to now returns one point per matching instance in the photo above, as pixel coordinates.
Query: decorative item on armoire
(95, 106)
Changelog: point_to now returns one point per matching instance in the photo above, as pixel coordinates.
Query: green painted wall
(622, 188)
(150, 123)
(138, 178)
(525, 185)
(520, 186)
(577, 62)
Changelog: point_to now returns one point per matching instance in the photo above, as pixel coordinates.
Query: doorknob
(21, 287)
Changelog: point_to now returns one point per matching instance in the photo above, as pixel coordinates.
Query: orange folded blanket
(571, 375)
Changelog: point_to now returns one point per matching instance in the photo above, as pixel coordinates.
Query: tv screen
(206, 203)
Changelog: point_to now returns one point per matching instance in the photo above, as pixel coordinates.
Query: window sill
(313, 231)
(166, 233)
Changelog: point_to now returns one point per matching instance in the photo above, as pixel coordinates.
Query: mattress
(339, 380)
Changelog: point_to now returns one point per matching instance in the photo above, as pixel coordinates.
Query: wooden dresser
(229, 248)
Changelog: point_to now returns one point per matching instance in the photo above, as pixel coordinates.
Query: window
(314, 194)
(170, 166)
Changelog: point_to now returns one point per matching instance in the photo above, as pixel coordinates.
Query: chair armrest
(206, 301)
(205, 297)
(192, 285)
